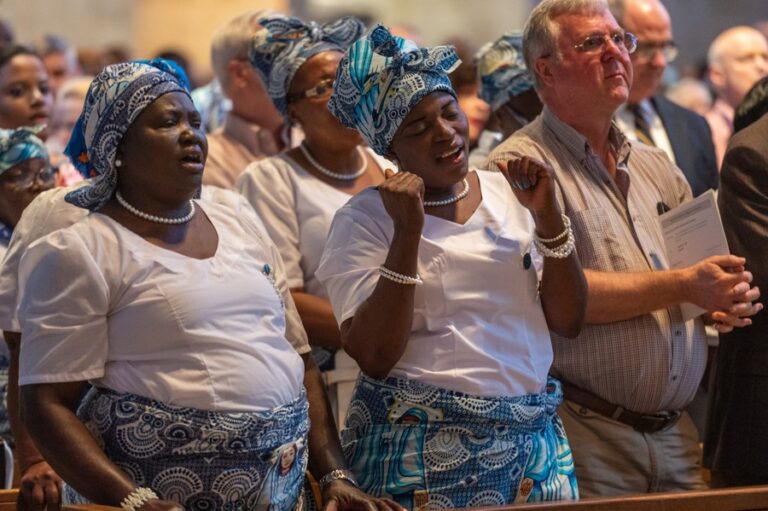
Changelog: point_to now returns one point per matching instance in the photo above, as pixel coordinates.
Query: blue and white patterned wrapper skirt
(431, 448)
(202, 459)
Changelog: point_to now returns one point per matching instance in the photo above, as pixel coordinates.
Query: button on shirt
(652, 362)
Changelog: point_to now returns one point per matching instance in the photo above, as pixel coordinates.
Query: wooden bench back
(754, 498)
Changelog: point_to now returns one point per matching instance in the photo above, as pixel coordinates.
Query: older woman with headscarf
(24, 173)
(432, 281)
(507, 86)
(297, 192)
(176, 310)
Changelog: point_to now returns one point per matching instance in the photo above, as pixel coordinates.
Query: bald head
(650, 22)
(737, 58)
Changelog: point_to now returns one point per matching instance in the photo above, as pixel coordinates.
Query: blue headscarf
(115, 99)
(381, 78)
(19, 145)
(285, 43)
(502, 70)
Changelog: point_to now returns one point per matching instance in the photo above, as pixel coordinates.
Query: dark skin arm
(563, 285)
(325, 450)
(39, 486)
(318, 319)
(48, 412)
(376, 336)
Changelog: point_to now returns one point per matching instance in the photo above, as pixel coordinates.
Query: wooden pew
(8, 500)
(753, 498)
(8, 503)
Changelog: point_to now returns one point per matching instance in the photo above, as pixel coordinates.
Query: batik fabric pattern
(502, 70)
(285, 43)
(381, 78)
(19, 145)
(203, 460)
(114, 100)
(430, 448)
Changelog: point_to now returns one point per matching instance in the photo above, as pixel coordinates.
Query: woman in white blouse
(296, 193)
(432, 281)
(177, 312)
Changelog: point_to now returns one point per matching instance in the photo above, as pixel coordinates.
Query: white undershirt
(478, 326)
(100, 303)
(626, 123)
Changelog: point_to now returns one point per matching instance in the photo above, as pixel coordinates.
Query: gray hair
(233, 41)
(540, 32)
(618, 9)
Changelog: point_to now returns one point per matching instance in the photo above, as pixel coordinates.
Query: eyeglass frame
(668, 50)
(622, 44)
(44, 174)
(313, 92)
(625, 36)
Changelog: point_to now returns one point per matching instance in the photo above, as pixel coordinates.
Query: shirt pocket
(598, 242)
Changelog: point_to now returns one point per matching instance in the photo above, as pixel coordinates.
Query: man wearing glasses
(651, 118)
(637, 363)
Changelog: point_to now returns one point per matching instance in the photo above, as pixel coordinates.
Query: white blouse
(100, 303)
(297, 209)
(478, 325)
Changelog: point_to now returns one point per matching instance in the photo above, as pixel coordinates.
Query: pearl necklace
(332, 174)
(154, 218)
(450, 200)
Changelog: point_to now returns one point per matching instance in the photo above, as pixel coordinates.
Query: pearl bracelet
(137, 498)
(559, 252)
(399, 277)
(566, 222)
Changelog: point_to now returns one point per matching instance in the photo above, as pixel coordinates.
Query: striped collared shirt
(652, 362)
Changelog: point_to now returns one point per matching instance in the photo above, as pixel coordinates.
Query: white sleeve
(349, 268)
(294, 330)
(47, 212)
(267, 187)
(63, 309)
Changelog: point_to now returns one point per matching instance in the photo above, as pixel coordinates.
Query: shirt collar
(577, 144)
(252, 136)
(723, 109)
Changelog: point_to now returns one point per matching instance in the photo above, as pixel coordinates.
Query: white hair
(540, 32)
(233, 41)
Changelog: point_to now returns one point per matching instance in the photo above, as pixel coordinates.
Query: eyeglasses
(323, 88)
(646, 50)
(595, 43)
(25, 178)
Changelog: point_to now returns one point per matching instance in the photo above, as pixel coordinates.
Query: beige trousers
(611, 458)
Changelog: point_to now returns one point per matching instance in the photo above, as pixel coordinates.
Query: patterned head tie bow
(285, 43)
(381, 78)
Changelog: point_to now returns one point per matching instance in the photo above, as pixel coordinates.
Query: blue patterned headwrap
(381, 78)
(115, 99)
(285, 43)
(502, 70)
(19, 145)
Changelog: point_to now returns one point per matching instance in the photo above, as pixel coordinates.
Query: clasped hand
(721, 285)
